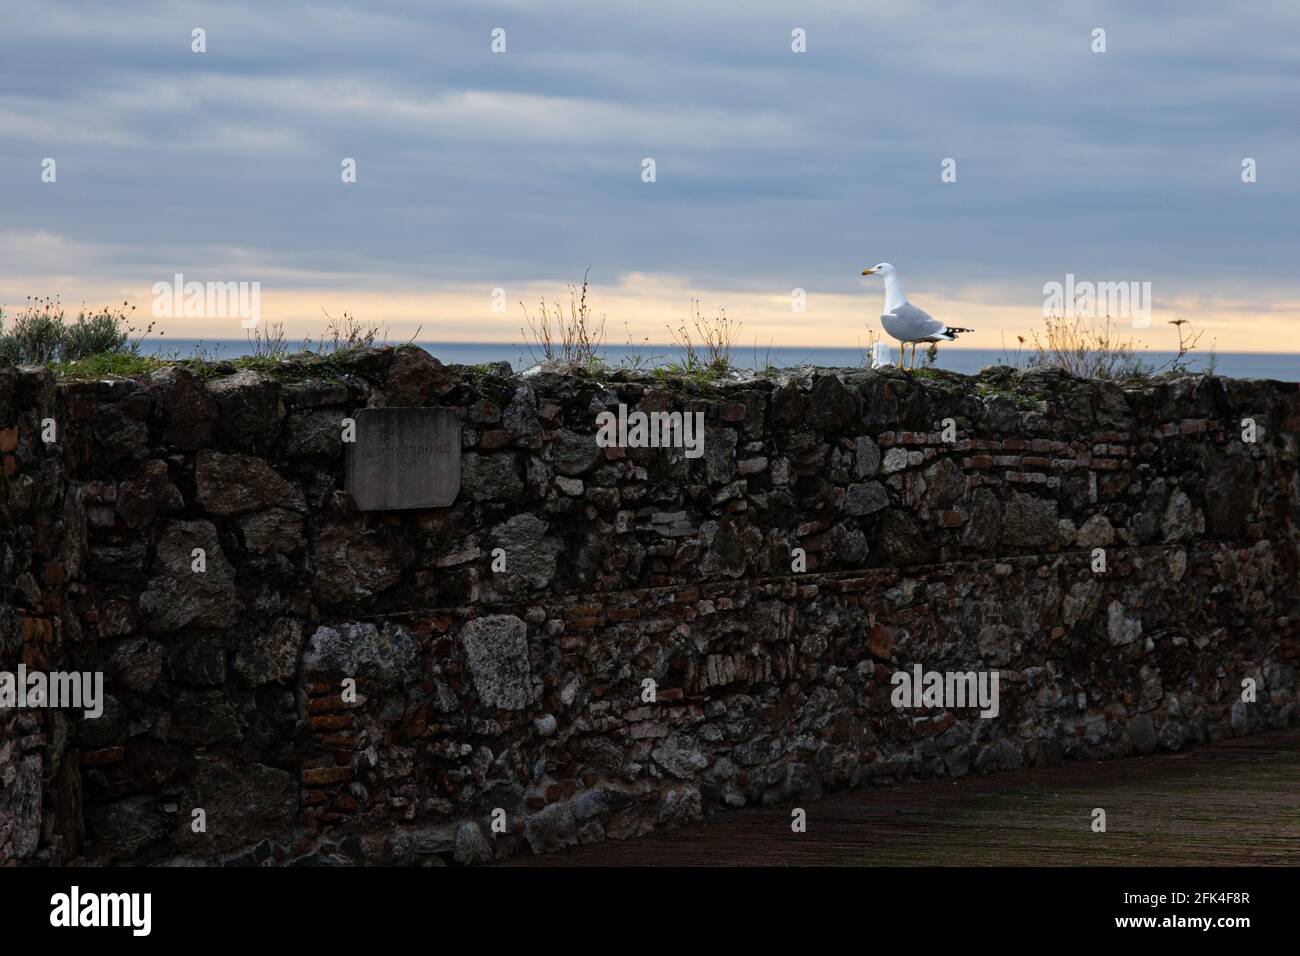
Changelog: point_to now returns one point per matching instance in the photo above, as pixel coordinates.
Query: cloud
(774, 169)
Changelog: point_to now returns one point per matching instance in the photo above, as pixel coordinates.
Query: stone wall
(840, 527)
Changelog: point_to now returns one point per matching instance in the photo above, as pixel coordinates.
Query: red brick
(323, 776)
(330, 722)
(880, 642)
(97, 758)
(320, 705)
(582, 617)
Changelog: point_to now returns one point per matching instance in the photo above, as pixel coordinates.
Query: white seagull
(905, 321)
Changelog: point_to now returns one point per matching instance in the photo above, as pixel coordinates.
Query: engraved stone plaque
(403, 458)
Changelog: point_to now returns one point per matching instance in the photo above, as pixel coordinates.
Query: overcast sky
(774, 169)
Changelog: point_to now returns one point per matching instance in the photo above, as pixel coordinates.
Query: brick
(323, 776)
(582, 616)
(330, 721)
(99, 758)
(320, 705)
(880, 642)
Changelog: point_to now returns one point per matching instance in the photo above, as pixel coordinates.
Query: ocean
(1283, 366)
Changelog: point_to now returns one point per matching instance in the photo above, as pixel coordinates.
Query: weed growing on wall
(41, 335)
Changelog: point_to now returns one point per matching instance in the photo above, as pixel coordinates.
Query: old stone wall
(838, 528)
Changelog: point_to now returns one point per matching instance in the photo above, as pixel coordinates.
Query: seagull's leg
(911, 359)
(902, 350)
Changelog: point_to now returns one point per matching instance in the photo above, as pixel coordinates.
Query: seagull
(905, 321)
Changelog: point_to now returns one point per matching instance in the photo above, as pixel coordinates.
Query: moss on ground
(1026, 388)
(108, 365)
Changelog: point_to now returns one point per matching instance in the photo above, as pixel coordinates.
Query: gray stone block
(403, 458)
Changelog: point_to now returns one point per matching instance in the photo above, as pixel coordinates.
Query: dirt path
(1236, 802)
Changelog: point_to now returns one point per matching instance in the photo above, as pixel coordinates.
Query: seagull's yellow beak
(868, 272)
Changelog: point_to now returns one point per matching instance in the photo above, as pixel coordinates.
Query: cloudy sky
(774, 170)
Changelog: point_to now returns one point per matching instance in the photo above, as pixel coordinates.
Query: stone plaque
(403, 458)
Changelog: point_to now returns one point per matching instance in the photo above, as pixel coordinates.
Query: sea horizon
(1279, 366)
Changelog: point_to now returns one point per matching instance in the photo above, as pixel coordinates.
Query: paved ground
(1233, 803)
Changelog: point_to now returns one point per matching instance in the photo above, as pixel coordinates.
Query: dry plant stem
(579, 335)
(346, 333)
(1089, 349)
(716, 338)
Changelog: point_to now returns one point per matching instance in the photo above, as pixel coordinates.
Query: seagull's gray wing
(907, 323)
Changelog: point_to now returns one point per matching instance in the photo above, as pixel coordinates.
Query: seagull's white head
(879, 269)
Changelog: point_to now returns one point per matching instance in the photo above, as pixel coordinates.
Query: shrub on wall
(40, 333)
